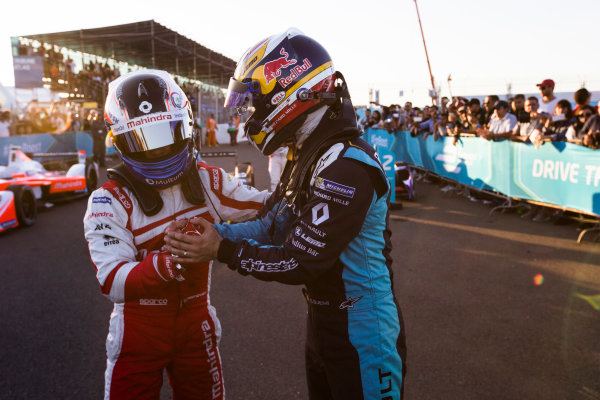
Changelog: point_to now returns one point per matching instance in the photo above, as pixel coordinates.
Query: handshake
(191, 241)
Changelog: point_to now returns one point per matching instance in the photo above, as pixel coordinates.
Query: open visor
(152, 132)
(239, 95)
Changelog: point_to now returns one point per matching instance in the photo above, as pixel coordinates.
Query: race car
(25, 184)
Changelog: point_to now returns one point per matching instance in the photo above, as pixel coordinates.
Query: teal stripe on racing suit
(337, 244)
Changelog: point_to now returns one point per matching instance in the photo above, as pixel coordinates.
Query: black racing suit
(335, 240)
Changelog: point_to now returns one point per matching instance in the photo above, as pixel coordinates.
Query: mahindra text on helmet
(146, 110)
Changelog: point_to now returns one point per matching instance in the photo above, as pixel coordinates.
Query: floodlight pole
(425, 46)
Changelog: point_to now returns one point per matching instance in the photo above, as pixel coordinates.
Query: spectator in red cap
(549, 100)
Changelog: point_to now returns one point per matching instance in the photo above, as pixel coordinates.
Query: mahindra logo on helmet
(146, 120)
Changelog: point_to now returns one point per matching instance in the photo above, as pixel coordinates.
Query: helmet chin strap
(330, 98)
(335, 125)
(333, 101)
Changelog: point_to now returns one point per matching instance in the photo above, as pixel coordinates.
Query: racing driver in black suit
(325, 226)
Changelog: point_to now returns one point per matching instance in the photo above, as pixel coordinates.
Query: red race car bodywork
(25, 183)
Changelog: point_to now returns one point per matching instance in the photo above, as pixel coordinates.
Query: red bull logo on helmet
(272, 69)
(296, 72)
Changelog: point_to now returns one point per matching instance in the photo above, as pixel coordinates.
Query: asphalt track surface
(477, 326)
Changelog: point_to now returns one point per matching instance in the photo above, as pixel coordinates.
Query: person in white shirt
(529, 126)
(501, 125)
(548, 99)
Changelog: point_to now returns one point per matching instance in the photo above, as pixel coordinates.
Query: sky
(484, 46)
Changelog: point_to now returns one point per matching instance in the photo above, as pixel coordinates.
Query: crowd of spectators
(93, 79)
(519, 119)
(522, 119)
(89, 82)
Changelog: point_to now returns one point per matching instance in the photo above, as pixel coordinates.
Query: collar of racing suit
(148, 197)
(338, 124)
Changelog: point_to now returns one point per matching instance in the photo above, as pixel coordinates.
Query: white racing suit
(162, 318)
(277, 162)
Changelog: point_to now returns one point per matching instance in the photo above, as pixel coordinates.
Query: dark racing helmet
(150, 121)
(279, 81)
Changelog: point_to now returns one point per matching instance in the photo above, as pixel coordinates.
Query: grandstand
(79, 64)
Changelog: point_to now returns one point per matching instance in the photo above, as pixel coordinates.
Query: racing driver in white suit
(162, 317)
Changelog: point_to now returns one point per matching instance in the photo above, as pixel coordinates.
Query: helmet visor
(157, 130)
(239, 95)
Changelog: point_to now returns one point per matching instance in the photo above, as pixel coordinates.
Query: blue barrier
(49, 143)
(561, 174)
(385, 143)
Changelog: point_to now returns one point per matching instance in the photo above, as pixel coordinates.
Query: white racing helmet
(150, 121)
